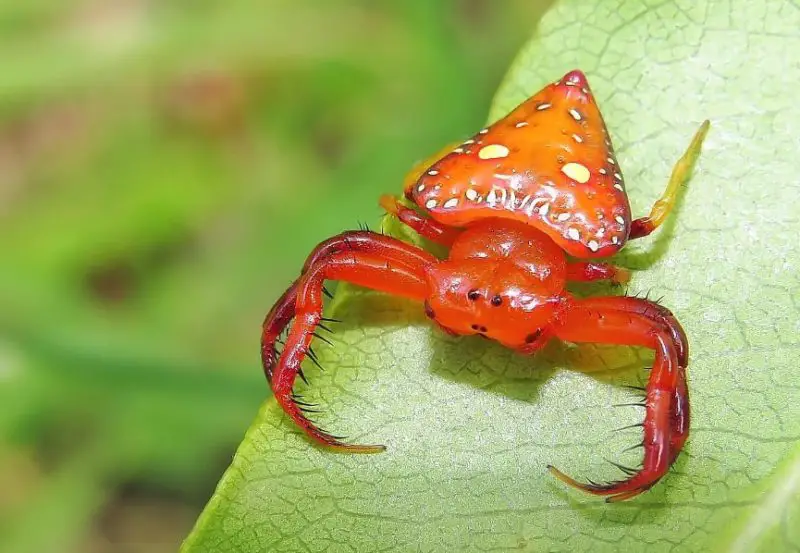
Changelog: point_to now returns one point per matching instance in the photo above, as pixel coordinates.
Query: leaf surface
(470, 426)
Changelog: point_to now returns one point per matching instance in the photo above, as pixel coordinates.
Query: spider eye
(497, 300)
(473, 295)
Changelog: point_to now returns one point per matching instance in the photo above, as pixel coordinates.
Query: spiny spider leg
(663, 206)
(589, 271)
(371, 260)
(282, 312)
(662, 316)
(653, 311)
(632, 321)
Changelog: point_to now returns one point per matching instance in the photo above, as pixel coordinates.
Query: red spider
(510, 203)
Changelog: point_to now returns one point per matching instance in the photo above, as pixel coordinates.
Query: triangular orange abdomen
(549, 163)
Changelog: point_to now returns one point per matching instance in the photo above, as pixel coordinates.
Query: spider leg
(424, 226)
(588, 271)
(655, 312)
(374, 261)
(639, 322)
(663, 206)
(283, 311)
(430, 229)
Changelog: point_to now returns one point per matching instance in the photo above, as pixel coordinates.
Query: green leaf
(470, 426)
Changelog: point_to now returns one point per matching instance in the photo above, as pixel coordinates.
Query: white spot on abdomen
(576, 172)
(493, 151)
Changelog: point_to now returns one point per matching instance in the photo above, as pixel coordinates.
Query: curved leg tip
(355, 448)
(624, 495)
(616, 491)
(567, 480)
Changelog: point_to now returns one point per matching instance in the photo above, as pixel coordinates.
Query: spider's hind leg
(663, 206)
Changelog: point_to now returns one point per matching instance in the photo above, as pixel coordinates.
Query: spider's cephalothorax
(510, 203)
(502, 279)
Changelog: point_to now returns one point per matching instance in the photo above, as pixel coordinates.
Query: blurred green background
(164, 169)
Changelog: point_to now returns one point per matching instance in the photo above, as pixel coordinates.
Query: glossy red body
(510, 203)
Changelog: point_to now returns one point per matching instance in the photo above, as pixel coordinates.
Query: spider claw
(629, 405)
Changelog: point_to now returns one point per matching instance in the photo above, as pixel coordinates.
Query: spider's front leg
(632, 321)
(283, 311)
(366, 259)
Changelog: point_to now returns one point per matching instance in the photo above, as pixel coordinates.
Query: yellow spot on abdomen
(576, 172)
(493, 151)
